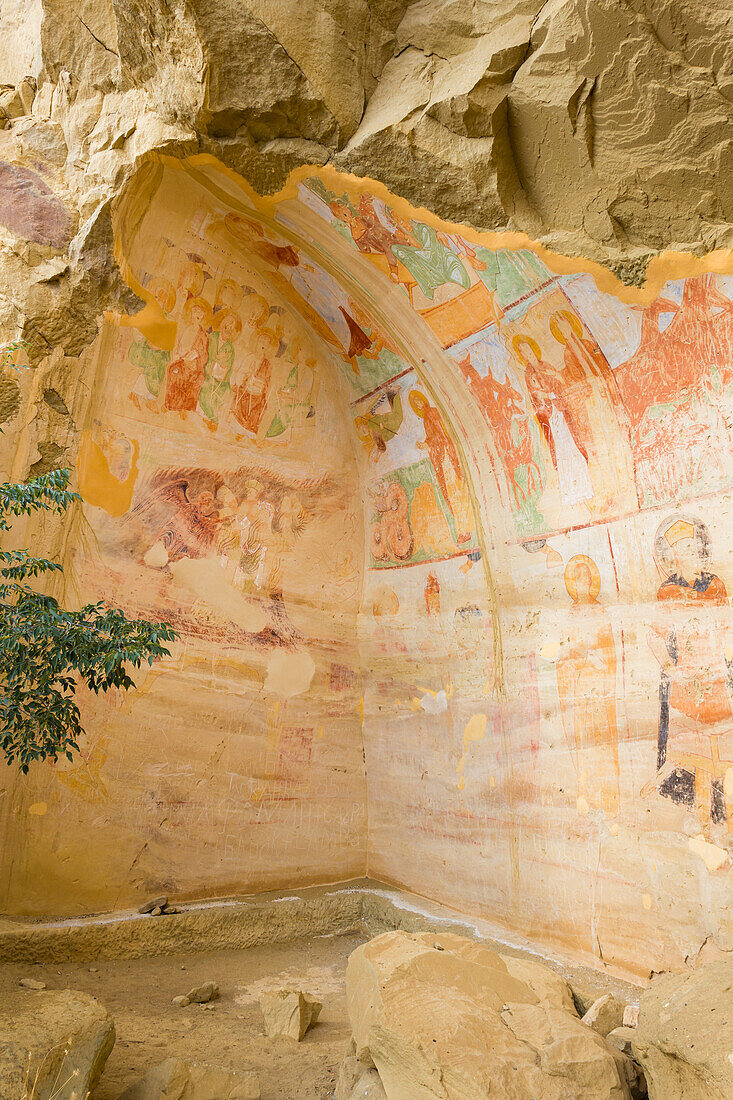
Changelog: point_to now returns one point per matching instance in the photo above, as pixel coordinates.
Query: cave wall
(488, 462)
(237, 763)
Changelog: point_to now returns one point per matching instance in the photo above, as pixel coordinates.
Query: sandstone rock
(181, 1001)
(631, 1016)
(32, 983)
(289, 1012)
(440, 1015)
(200, 994)
(605, 1014)
(63, 1035)
(684, 1039)
(154, 903)
(356, 1081)
(621, 1038)
(175, 1079)
(156, 912)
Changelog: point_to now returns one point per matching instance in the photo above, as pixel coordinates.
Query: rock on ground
(441, 1016)
(605, 1014)
(684, 1039)
(356, 1081)
(289, 1012)
(68, 1036)
(200, 994)
(175, 1079)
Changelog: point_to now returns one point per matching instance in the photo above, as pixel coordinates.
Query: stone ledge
(277, 917)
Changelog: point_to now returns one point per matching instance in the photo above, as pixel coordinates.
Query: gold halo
(203, 305)
(222, 314)
(520, 338)
(164, 287)
(575, 324)
(571, 576)
(423, 400)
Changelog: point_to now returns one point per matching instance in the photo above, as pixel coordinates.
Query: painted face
(529, 354)
(583, 583)
(228, 328)
(198, 316)
(206, 502)
(687, 558)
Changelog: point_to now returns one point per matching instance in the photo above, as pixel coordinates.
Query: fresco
(444, 523)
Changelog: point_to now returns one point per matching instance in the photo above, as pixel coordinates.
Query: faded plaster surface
(441, 514)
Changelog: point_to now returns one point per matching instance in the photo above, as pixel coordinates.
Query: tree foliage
(47, 651)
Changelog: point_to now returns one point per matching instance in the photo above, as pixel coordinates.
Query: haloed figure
(694, 649)
(586, 685)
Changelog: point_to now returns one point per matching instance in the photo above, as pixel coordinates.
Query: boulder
(356, 1081)
(200, 994)
(605, 1014)
(154, 903)
(32, 983)
(175, 1079)
(63, 1036)
(684, 1038)
(441, 1016)
(289, 1012)
(621, 1038)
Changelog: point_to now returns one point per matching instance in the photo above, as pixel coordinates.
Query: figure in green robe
(215, 391)
(430, 262)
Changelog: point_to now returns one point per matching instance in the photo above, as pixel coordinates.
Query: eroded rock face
(59, 1039)
(440, 1016)
(684, 1039)
(595, 126)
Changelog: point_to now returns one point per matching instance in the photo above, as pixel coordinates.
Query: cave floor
(138, 993)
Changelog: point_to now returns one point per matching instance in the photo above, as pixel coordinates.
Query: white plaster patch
(289, 674)
(434, 702)
(712, 856)
(208, 582)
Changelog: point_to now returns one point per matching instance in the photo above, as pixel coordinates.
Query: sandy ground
(138, 994)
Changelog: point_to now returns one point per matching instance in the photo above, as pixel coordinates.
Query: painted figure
(502, 406)
(444, 457)
(693, 648)
(187, 369)
(250, 395)
(564, 424)
(189, 530)
(594, 407)
(152, 361)
(432, 595)
(586, 683)
(381, 423)
(370, 236)
(216, 389)
(428, 260)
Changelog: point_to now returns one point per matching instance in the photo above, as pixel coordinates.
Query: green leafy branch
(47, 651)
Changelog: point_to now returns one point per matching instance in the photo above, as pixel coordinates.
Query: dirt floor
(229, 1032)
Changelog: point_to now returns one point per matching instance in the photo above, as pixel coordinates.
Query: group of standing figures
(230, 363)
